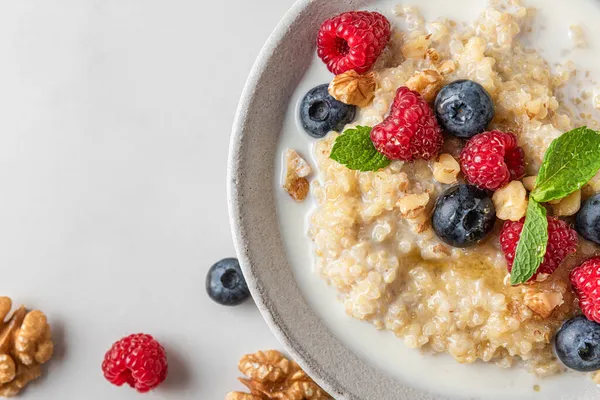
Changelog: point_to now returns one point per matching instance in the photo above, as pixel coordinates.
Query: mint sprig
(356, 151)
(532, 244)
(570, 162)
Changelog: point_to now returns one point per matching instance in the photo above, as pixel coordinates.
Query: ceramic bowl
(256, 229)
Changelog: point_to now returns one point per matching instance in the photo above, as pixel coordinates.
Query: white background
(115, 118)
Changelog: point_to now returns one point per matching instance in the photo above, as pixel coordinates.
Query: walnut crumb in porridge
(297, 169)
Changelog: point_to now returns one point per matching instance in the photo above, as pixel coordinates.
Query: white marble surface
(114, 125)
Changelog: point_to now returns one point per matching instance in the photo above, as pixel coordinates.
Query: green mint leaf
(532, 244)
(569, 163)
(355, 150)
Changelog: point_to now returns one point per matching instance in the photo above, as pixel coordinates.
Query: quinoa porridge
(372, 233)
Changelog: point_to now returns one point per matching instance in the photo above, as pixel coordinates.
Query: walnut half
(353, 88)
(25, 344)
(272, 376)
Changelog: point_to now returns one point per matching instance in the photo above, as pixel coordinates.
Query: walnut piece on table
(242, 396)
(265, 366)
(297, 169)
(270, 376)
(25, 344)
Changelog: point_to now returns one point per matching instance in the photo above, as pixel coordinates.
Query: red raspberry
(353, 40)
(491, 160)
(137, 360)
(586, 284)
(410, 131)
(562, 240)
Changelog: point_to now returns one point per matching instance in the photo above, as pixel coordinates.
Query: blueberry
(577, 344)
(463, 215)
(225, 283)
(320, 113)
(587, 221)
(464, 109)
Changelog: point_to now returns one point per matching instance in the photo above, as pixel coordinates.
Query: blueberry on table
(320, 113)
(587, 221)
(464, 108)
(577, 344)
(225, 283)
(463, 216)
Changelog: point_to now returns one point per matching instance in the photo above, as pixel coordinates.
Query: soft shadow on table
(59, 340)
(179, 378)
(58, 337)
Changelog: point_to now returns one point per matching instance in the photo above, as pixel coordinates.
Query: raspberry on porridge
(448, 181)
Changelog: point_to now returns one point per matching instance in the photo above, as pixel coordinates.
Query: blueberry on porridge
(447, 210)
(463, 216)
(578, 344)
(464, 108)
(320, 113)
